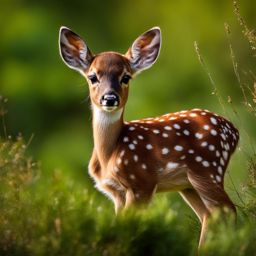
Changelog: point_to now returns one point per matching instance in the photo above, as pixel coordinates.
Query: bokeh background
(48, 103)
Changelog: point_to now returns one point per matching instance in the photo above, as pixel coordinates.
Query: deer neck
(107, 127)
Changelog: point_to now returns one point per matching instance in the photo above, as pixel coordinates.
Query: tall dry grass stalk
(247, 86)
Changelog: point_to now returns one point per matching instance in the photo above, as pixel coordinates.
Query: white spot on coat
(140, 137)
(213, 132)
(222, 161)
(143, 166)
(223, 136)
(205, 164)
(186, 132)
(199, 135)
(132, 177)
(126, 139)
(176, 126)
(149, 146)
(218, 178)
(213, 120)
(225, 155)
(226, 146)
(211, 147)
(165, 151)
(178, 148)
(198, 158)
(220, 170)
(171, 165)
(131, 146)
(204, 144)
(206, 127)
(136, 158)
(168, 128)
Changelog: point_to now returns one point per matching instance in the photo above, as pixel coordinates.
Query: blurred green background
(49, 102)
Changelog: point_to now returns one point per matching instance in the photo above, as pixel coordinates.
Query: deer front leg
(139, 197)
(119, 201)
(107, 186)
(130, 198)
(115, 191)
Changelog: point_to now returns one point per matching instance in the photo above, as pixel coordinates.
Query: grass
(62, 218)
(56, 215)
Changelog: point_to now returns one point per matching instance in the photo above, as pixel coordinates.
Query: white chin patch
(109, 109)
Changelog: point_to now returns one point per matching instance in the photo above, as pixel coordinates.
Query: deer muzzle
(109, 101)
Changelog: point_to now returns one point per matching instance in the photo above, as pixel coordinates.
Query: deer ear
(74, 50)
(145, 50)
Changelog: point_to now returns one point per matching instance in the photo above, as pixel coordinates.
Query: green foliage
(61, 217)
(229, 238)
(249, 191)
(235, 238)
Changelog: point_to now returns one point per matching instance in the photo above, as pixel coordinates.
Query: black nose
(109, 100)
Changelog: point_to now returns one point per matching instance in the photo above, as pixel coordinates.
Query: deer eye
(93, 78)
(125, 79)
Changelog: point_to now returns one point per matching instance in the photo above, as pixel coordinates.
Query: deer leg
(192, 198)
(130, 198)
(212, 194)
(134, 197)
(118, 198)
(115, 192)
(213, 197)
(119, 203)
(203, 231)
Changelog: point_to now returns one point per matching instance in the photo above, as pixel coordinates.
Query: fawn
(186, 151)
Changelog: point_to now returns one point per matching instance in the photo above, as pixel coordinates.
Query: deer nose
(109, 100)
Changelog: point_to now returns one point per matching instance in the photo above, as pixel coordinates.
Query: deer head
(108, 73)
